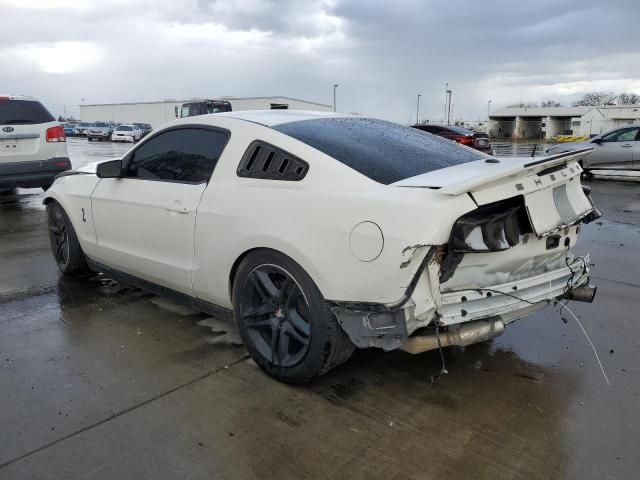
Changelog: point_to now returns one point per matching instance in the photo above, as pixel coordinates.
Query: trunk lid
(550, 186)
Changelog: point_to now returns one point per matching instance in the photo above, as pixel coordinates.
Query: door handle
(176, 207)
(626, 145)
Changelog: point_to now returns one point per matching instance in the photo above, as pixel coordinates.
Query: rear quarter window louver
(265, 161)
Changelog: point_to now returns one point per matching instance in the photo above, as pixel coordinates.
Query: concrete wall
(557, 126)
(528, 127)
(502, 128)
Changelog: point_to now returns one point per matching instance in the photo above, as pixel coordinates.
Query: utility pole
(446, 88)
(334, 96)
(418, 110)
(488, 110)
(449, 107)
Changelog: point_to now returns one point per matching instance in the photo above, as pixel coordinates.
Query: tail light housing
(464, 140)
(491, 228)
(56, 134)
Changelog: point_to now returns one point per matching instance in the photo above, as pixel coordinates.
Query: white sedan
(126, 133)
(322, 232)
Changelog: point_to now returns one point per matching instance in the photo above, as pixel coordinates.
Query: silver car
(616, 149)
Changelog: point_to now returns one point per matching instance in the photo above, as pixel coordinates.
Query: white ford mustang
(325, 232)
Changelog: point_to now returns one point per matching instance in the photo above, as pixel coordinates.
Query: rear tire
(65, 247)
(284, 321)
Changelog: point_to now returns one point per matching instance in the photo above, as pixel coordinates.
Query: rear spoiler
(483, 178)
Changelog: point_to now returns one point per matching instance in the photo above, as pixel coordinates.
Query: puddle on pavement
(225, 332)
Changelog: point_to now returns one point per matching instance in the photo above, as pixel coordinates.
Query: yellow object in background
(570, 138)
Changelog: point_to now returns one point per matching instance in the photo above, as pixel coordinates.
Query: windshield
(16, 112)
(383, 151)
(124, 128)
(99, 124)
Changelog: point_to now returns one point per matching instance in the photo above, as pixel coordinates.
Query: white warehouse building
(547, 122)
(157, 113)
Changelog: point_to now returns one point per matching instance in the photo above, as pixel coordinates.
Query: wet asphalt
(102, 381)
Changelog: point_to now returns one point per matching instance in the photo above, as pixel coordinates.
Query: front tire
(65, 247)
(284, 321)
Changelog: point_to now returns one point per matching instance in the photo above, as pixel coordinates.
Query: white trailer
(158, 113)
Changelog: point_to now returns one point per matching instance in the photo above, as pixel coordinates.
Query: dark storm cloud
(381, 53)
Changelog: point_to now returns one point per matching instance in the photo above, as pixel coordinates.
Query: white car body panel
(188, 237)
(73, 192)
(155, 242)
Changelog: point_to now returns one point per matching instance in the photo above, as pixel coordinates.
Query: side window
(265, 161)
(182, 155)
(626, 135)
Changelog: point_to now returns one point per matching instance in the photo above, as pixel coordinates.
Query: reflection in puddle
(225, 331)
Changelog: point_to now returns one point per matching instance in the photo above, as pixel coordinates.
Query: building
(547, 122)
(157, 113)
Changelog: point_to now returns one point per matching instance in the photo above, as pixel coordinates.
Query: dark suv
(461, 135)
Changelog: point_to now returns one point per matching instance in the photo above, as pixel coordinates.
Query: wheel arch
(298, 259)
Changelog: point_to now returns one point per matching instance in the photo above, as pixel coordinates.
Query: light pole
(418, 110)
(449, 108)
(488, 110)
(334, 96)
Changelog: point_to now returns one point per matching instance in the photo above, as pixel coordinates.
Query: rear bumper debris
(465, 316)
(509, 300)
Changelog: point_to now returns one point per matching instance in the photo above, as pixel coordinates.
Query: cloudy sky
(382, 54)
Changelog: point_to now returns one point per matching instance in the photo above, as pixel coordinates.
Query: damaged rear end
(506, 258)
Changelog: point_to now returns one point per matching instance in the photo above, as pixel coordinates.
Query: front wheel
(284, 321)
(65, 247)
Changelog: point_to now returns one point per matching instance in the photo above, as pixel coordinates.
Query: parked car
(615, 149)
(145, 128)
(323, 232)
(99, 131)
(33, 147)
(126, 133)
(68, 129)
(80, 129)
(461, 135)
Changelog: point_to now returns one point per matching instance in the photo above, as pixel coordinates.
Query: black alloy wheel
(275, 313)
(59, 237)
(284, 321)
(65, 246)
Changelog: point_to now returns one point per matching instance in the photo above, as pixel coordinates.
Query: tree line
(590, 99)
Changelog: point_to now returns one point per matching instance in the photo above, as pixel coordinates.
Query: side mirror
(110, 169)
(597, 141)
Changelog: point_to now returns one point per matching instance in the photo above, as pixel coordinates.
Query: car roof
(269, 118)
